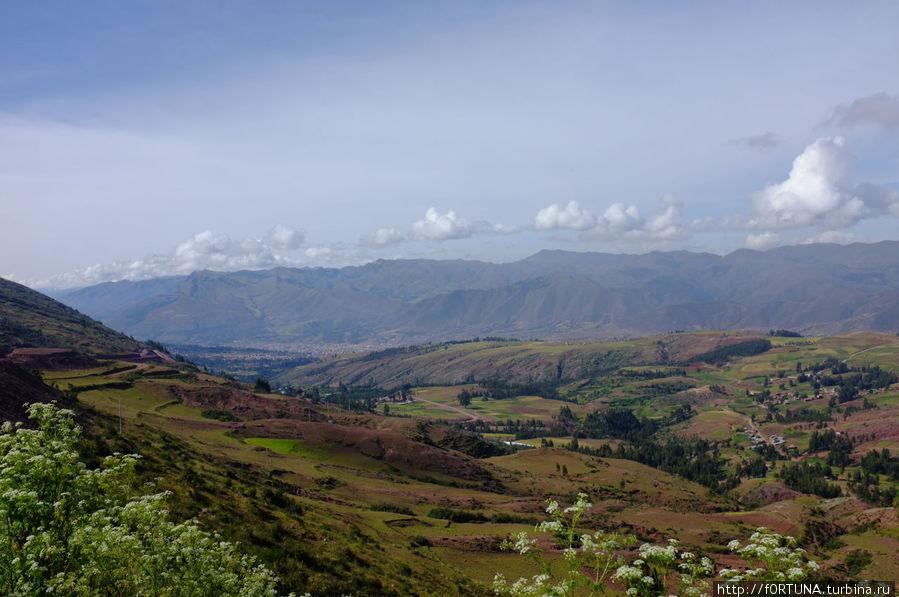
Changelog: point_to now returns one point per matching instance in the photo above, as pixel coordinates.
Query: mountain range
(812, 289)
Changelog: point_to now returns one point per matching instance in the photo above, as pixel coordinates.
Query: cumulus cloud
(620, 217)
(817, 191)
(572, 216)
(204, 250)
(764, 141)
(387, 236)
(618, 221)
(667, 224)
(880, 109)
(820, 192)
(763, 241)
(438, 226)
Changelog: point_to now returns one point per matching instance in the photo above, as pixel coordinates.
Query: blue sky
(154, 138)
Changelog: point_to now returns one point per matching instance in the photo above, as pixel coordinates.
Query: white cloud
(839, 237)
(387, 236)
(284, 238)
(204, 250)
(618, 221)
(820, 192)
(880, 109)
(438, 226)
(817, 192)
(667, 224)
(571, 216)
(620, 217)
(763, 241)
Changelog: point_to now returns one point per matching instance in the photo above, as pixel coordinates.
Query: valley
(401, 472)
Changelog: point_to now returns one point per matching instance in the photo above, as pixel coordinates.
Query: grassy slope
(29, 317)
(300, 491)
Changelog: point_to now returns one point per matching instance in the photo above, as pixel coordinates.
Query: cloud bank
(204, 250)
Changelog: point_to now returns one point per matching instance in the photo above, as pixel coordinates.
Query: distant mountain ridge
(815, 289)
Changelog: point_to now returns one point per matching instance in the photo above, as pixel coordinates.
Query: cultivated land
(697, 436)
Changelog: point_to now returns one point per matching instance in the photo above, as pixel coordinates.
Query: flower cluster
(588, 558)
(775, 557)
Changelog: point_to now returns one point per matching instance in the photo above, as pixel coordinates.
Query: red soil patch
(770, 493)
(240, 403)
(50, 359)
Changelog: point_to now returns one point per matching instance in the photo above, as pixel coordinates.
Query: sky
(143, 139)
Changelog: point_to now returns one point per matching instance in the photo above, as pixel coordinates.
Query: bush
(69, 530)
(454, 515)
(385, 507)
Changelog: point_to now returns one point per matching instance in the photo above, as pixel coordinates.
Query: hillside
(31, 319)
(408, 489)
(815, 289)
(454, 363)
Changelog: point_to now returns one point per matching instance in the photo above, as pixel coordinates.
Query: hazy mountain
(553, 294)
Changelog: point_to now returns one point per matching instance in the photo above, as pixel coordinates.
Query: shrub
(69, 530)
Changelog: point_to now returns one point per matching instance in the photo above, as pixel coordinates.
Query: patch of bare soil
(240, 403)
(50, 359)
(770, 493)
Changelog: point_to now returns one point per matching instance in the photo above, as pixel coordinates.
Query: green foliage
(784, 333)
(385, 507)
(742, 349)
(857, 560)
(218, 414)
(454, 515)
(69, 530)
(262, 385)
(809, 478)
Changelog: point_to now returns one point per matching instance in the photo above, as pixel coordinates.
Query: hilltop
(814, 289)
